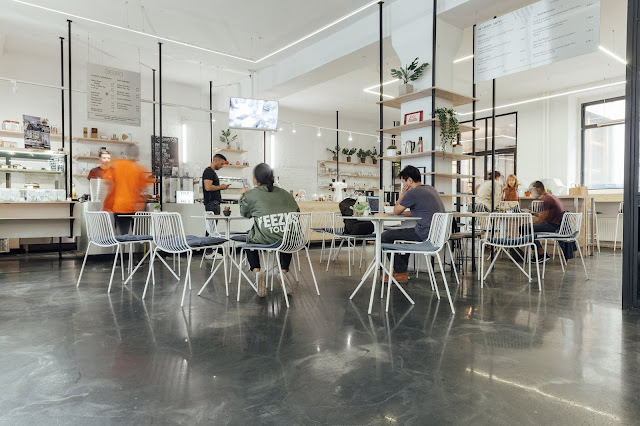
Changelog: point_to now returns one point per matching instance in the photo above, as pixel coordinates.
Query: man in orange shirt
(127, 180)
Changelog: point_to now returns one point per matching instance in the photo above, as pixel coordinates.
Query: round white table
(378, 228)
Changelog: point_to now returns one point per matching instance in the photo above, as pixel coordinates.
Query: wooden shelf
(20, 135)
(236, 166)
(44, 172)
(450, 155)
(86, 157)
(347, 175)
(456, 98)
(449, 175)
(104, 141)
(421, 124)
(352, 163)
(239, 151)
(352, 187)
(80, 175)
(38, 202)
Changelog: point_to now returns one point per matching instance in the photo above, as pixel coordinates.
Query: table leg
(377, 226)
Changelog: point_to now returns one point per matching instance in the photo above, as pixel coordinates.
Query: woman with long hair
(511, 188)
(267, 205)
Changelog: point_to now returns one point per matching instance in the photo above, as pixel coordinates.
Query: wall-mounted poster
(113, 95)
(36, 134)
(169, 154)
(539, 34)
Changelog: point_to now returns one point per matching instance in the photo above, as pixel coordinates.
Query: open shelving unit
(397, 130)
(15, 134)
(455, 98)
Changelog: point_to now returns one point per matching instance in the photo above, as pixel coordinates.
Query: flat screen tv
(253, 114)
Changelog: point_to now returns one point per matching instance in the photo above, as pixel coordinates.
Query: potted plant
(358, 208)
(362, 154)
(335, 152)
(374, 156)
(348, 152)
(225, 137)
(411, 72)
(391, 150)
(226, 211)
(449, 126)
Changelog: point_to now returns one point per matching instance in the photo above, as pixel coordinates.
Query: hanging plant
(449, 126)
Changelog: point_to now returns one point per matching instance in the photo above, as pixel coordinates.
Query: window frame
(584, 127)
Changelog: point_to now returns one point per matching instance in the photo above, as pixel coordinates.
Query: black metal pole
(160, 116)
(434, 48)
(380, 134)
(493, 142)
(264, 146)
(473, 152)
(70, 188)
(630, 206)
(211, 119)
(154, 142)
(62, 90)
(337, 144)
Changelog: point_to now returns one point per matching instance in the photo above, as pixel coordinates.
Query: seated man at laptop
(423, 201)
(550, 218)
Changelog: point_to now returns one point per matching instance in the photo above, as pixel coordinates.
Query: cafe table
(378, 227)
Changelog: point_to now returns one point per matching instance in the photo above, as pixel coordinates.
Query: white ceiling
(254, 28)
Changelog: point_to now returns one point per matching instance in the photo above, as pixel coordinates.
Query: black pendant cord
(493, 144)
(338, 148)
(211, 119)
(154, 142)
(264, 146)
(380, 134)
(70, 188)
(473, 152)
(434, 48)
(66, 187)
(160, 117)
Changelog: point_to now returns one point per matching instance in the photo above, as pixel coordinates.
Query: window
(603, 144)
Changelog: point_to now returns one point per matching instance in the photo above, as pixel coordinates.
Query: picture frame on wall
(413, 117)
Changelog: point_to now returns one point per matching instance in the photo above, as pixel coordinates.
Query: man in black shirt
(211, 184)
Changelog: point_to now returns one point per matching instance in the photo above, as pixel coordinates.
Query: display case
(32, 175)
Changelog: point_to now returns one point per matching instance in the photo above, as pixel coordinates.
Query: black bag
(352, 226)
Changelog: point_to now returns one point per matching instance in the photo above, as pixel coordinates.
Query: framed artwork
(413, 117)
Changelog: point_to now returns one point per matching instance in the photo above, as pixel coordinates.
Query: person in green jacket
(268, 205)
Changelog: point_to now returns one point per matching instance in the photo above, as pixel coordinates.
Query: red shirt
(96, 173)
(510, 194)
(552, 205)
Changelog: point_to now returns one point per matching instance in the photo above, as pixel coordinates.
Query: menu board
(169, 154)
(539, 34)
(113, 95)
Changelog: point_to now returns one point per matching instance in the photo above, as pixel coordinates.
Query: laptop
(374, 204)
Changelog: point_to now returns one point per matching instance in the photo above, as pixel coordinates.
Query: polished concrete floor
(510, 355)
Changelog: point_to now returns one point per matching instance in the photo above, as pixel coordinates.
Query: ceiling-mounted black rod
(473, 148)
(380, 87)
(211, 119)
(433, 92)
(338, 148)
(161, 160)
(264, 146)
(153, 139)
(493, 143)
(70, 188)
(62, 90)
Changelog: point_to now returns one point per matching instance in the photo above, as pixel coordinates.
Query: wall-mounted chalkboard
(170, 155)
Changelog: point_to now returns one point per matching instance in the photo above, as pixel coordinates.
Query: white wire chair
(321, 222)
(509, 206)
(569, 232)
(619, 217)
(169, 237)
(506, 231)
(297, 234)
(536, 206)
(212, 230)
(337, 232)
(101, 234)
(142, 226)
(438, 238)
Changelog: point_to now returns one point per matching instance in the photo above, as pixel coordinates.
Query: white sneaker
(213, 255)
(261, 284)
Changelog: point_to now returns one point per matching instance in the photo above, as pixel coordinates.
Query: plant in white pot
(391, 150)
(411, 72)
(225, 137)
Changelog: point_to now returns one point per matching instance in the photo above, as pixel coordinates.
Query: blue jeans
(400, 262)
